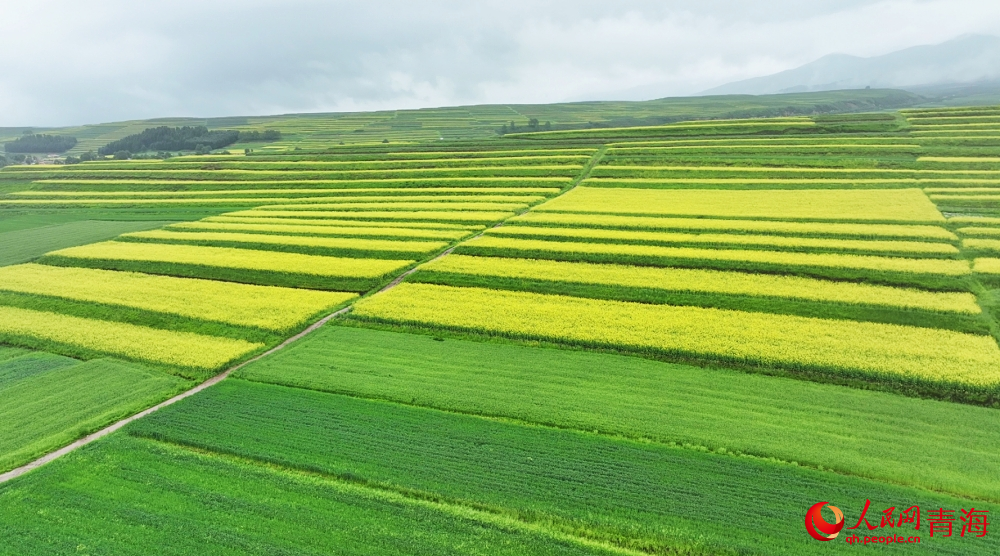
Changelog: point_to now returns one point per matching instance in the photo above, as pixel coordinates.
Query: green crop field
(665, 327)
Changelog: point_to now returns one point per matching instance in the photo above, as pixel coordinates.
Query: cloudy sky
(67, 63)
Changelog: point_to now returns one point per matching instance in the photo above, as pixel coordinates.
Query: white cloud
(83, 62)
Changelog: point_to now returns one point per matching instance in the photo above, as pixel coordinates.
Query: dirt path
(51, 456)
(14, 473)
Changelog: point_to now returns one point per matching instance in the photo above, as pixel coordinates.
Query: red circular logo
(818, 528)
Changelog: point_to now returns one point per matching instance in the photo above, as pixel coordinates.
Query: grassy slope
(857, 432)
(47, 401)
(635, 495)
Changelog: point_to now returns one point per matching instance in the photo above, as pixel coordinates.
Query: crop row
(295, 166)
(705, 281)
(907, 205)
(401, 206)
(57, 332)
(403, 226)
(376, 248)
(368, 231)
(455, 216)
(781, 243)
(387, 185)
(325, 195)
(265, 307)
(237, 265)
(802, 229)
(930, 273)
(883, 351)
(787, 173)
(259, 175)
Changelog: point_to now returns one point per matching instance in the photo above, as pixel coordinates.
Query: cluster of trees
(38, 143)
(163, 138)
(9, 159)
(532, 126)
(258, 137)
(85, 157)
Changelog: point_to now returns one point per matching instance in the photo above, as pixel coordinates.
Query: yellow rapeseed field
(756, 338)
(975, 220)
(425, 216)
(987, 266)
(611, 221)
(414, 247)
(182, 349)
(982, 244)
(828, 260)
(890, 205)
(414, 233)
(236, 258)
(237, 219)
(708, 281)
(400, 206)
(748, 240)
(492, 194)
(983, 232)
(267, 307)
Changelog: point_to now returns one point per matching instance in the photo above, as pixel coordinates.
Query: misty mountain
(966, 59)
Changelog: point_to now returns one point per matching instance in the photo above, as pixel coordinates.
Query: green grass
(850, 431)
(19, 246)
(609, 490)
(47, 401)
(125, 496)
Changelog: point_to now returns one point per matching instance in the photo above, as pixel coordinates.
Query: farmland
(654, 334)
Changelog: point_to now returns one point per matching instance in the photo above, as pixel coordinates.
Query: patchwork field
(639, 337)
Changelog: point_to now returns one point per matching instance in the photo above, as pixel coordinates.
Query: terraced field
(656, 339)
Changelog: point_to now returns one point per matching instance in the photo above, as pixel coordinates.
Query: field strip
(14, 473)
(493, 515)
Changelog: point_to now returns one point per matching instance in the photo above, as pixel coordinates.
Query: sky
(83, 61)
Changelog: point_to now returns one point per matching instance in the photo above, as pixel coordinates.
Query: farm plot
(223, 506)
(878, 247)
(23, 245)
(374, 248)
(91, 338)
(902, 206)
(291, 227)
(882, 351)
(495, 271)
(930, 273)
(801, 229)
(536, 475)
(264, 307)
(724, 411)
(47, 401)
(237, 265)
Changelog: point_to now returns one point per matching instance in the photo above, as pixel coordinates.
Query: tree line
(39, 143)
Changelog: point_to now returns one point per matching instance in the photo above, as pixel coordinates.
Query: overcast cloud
(67, 63)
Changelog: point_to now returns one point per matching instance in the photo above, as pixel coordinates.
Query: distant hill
(966, 60)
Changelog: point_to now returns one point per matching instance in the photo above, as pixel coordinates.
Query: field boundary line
(51, 456)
